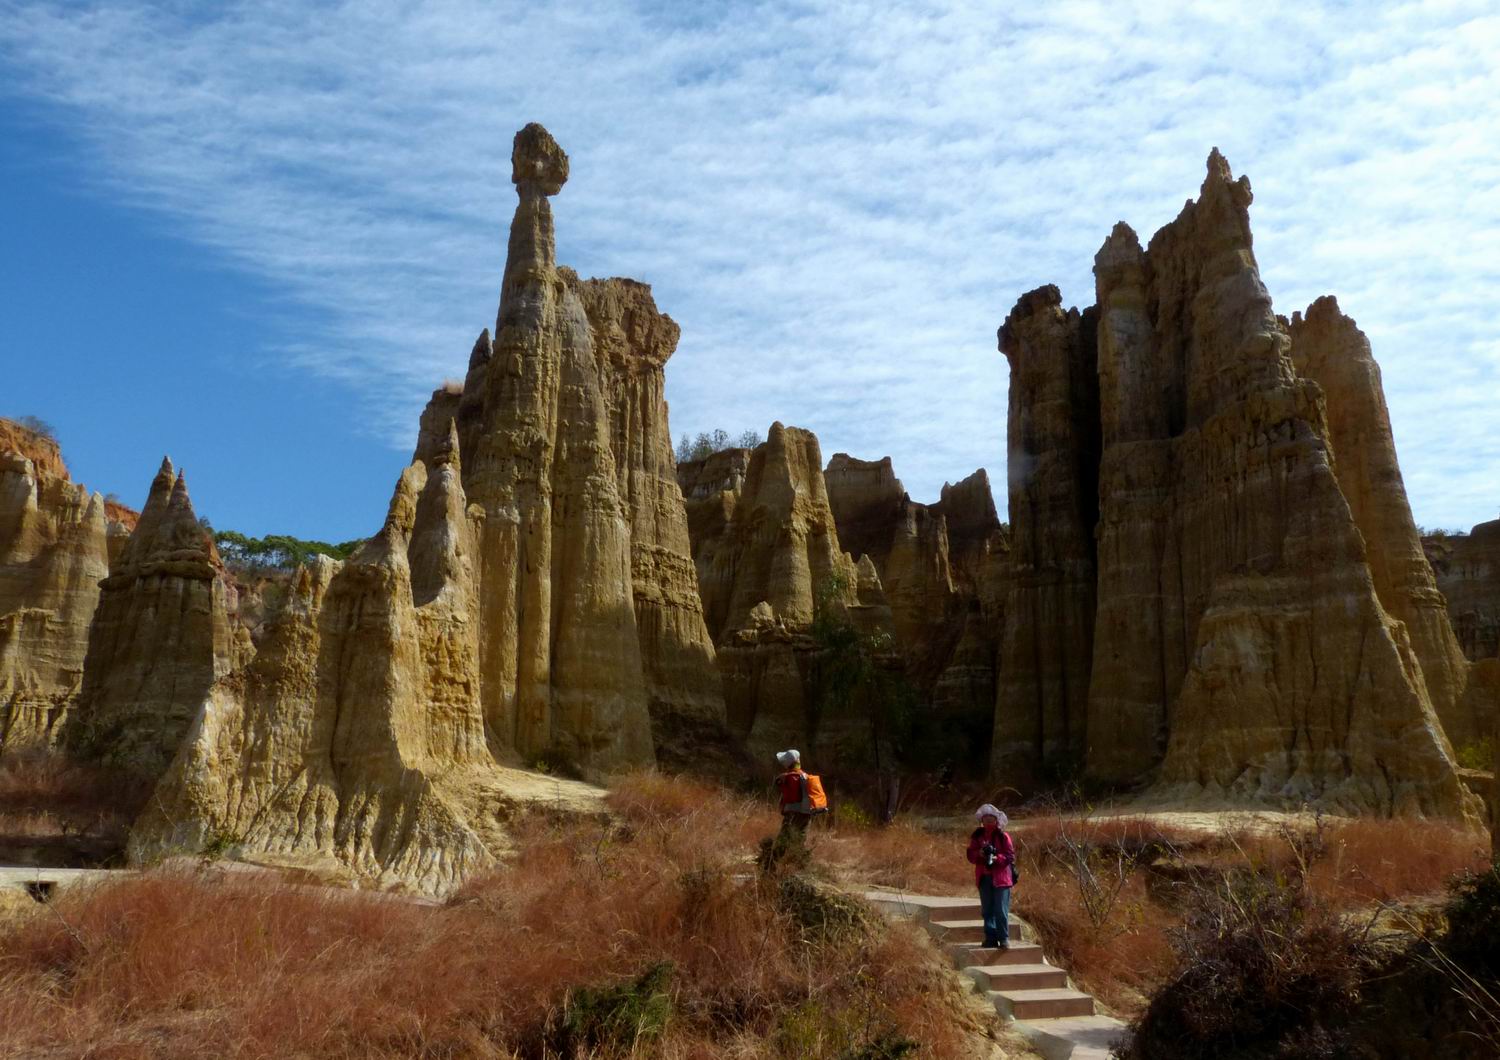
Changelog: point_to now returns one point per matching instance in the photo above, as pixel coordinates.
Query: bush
(1478, 755)
(1263, 970)
(38, 426)
(616, 1017)
(1441, 995)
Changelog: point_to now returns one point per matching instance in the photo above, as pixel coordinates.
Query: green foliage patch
(276, 551)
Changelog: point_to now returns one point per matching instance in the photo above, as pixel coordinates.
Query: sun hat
(989, 811)
(788, 758)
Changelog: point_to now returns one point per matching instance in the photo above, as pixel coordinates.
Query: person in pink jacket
(994, 858)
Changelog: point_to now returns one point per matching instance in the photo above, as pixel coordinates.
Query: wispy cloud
(839, 203)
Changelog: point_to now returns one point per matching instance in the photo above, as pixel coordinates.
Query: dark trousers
(994, 906)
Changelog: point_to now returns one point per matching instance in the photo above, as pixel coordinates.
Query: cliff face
(1052, 464)
(766, 546)
(1239, 647)
(54, 549)
(1467, 567)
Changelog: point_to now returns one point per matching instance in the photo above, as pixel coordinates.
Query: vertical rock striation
(1330, 350)
(160, 638)
(355, 738)
(766, 549)
(1467, 567)
(632, 342)
(54, 549)
(1052, 447)
(560, 656)
(1211, 601)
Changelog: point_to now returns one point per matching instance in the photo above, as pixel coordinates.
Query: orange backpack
(816, 799)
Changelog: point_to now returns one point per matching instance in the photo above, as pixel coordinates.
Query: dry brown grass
(194, 964)
(1371, 860)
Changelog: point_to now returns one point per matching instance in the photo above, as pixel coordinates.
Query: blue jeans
(994, 905)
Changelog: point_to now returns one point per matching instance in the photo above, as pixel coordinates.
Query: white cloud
(839, 203)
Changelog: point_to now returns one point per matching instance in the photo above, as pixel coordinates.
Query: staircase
(1058, 1021)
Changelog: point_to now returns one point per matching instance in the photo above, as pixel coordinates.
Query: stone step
(965, 955)
(955, 930)
(1073, 1037)
(1047, 1003)
(1017, 976)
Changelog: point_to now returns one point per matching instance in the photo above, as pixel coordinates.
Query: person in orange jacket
(994, 858)
(796, 807)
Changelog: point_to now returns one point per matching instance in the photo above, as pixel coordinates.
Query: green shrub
(277, 551)
(1477, 755)
(616, 1017)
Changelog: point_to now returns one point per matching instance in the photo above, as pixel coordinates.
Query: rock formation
(1330, 350)
(1052, 468)
(160, 638)
(632, 342)
(1237, 646)
(55, 540)
(938, 566)
(767, 554)
(530, 596)
(355, 738)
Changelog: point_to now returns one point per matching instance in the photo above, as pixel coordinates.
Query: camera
(990, 855)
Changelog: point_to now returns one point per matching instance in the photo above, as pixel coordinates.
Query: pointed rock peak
(482, 351)
(1221, 177)
(161, 489)
(401, 516)
(1218, 166)
(1325, 308)
(537, 161)
(1122, 247)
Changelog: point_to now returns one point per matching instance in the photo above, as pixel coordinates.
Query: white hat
(989, 811)
(789, 758)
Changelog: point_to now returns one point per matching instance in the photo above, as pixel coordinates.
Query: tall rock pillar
(1041, 703)
(560, 665)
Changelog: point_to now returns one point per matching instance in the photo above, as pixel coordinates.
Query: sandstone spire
(1328, 348)
(561, 669)
(766, 547)
(160, 637)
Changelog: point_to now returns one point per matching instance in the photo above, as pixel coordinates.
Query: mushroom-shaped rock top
(537, 160)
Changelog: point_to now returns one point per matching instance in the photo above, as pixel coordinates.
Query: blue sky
(256, 235)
